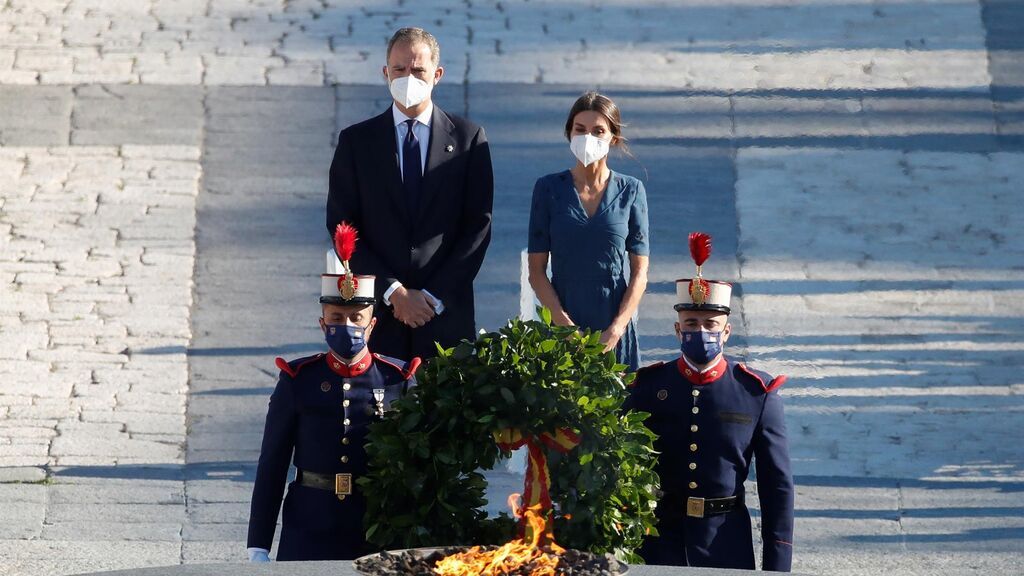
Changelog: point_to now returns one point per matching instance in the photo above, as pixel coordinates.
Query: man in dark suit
(418, 184)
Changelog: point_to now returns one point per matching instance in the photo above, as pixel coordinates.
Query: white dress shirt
(422, 131)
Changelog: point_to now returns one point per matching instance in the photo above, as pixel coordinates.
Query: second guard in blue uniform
(714, 417)
(317, 420)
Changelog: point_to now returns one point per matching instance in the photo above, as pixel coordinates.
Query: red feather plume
(345, 236)
(700, 247)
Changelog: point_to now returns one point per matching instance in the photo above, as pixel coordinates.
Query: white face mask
(410, 90)
(588, 149)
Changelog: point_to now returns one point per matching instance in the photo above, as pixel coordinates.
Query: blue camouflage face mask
(701, 346)
(345, 340)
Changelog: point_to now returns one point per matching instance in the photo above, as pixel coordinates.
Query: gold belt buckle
(342, 484)
(695, 507)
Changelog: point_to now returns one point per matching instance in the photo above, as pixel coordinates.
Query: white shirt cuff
(258, 554)
(391, 290)
(439, 306)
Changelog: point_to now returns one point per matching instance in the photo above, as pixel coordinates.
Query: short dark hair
(413, 36)
(603, 105)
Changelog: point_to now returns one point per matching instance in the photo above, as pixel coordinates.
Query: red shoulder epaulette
(293, 372)
(743, 368)
(283, 365)
(410, 367)
(777, 383)
(769, 387)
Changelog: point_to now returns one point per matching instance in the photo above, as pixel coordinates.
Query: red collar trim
(340, 368)
(702, 378)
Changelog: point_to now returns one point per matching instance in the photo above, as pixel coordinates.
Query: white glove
(258, 555)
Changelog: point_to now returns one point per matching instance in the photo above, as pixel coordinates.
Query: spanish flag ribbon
(536, 493)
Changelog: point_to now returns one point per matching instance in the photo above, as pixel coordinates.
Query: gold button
(346, 403)
(693, 447)
(344, 459)
(341, 496)
(696, 392)
(693, 465)
(345, 441)
(346, 386)
(695, 410)
(693, 427)
(692, 485)
(346, 421)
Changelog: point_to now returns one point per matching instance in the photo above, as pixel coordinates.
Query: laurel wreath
(424, 486)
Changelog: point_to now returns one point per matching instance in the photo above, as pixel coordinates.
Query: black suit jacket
(440, 248)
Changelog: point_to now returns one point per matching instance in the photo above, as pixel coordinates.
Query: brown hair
(603, 105)
(416, 36)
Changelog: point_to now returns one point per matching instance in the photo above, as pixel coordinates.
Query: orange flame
(513, 555)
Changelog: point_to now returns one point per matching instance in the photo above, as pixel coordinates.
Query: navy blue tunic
(317, 418)
(590, 255)
(710, 428)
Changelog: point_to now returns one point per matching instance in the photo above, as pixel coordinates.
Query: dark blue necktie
(412, 170)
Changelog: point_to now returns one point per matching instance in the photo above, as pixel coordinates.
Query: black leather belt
(340, 484)
(701, 507)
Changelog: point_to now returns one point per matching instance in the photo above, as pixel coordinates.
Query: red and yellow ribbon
(536, 493)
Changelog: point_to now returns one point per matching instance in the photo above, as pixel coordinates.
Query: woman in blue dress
(591, 222)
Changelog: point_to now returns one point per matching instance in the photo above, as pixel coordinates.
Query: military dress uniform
(318, 417)
(710, 425)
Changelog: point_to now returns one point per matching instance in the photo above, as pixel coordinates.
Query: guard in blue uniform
(714, 416)
(317, 419)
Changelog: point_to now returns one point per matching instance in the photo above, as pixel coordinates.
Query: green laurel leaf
(423, 486)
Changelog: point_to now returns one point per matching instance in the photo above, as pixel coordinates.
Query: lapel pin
(449, 148)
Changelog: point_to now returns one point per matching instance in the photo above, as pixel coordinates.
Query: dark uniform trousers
(710, 427)
(317, 419)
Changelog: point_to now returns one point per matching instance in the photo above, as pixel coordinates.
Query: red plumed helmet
(345, 236)
(700, 248)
